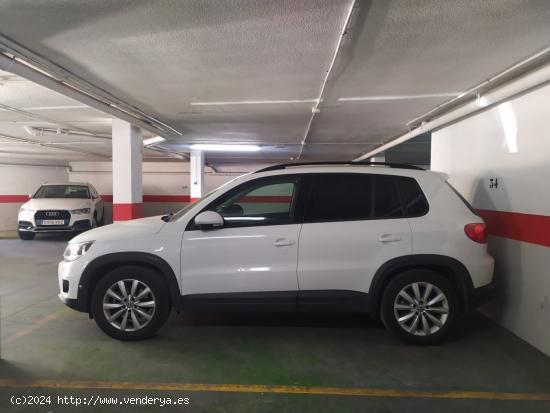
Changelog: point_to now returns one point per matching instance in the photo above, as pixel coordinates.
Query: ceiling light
(482, 101)
(253, 102)
(396, 97)
(225, 148)
(56, 107)
(153, 141)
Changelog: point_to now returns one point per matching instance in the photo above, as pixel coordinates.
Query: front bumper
(76, 226)
(70, 292)
(74, 303)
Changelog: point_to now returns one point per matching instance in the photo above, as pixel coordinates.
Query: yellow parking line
(28, 330)
(259, 388)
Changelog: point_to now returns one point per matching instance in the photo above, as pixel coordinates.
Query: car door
(353, 224)
(257, 248)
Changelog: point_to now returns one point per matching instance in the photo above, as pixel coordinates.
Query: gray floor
(62, 352)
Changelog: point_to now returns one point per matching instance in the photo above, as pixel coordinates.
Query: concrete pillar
(197, 175)
(127, 171)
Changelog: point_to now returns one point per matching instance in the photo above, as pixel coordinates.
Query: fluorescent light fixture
(482, 101)
(154, 140)
(509, 125)
(215, 147)
(56, 107)
(253, 102)
(395, 97)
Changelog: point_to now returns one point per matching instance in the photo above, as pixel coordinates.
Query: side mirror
(209, 220)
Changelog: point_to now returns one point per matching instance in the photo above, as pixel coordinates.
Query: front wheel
(420, 307)
(131, 303)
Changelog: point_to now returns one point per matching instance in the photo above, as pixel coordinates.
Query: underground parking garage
(274, 206)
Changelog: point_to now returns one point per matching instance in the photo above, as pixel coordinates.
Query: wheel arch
(449, 267)
(108, 262)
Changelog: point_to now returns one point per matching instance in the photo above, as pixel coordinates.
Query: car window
(386, 203)
(265, 201)
(348, 197)
(62, 191)
(267, 204)
(337, 197)
(414, 201)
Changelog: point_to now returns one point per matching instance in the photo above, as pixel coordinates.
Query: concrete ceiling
(239, 71)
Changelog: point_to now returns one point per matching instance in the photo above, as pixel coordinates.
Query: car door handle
(283, 242)
(385, 238)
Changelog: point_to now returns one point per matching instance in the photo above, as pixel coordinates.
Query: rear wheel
(26, 235)
(131, 303)
(420, 307)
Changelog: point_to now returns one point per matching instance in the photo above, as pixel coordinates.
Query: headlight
(74, 251)
(80, 211)
(25, 210)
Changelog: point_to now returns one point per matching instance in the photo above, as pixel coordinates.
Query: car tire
(26, 235)
(94, 221)
(102, 220)
(134, 322)
(420, 307)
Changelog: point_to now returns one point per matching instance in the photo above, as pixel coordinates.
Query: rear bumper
(482, 295)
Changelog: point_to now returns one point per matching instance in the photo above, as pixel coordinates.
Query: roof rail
(351, 163)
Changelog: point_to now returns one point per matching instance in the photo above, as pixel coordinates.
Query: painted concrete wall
(510, 145)
(17, 182)
(166, 185)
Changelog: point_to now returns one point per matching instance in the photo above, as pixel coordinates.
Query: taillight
(476, 232)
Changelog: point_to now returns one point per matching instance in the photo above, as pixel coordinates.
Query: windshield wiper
(166, 218)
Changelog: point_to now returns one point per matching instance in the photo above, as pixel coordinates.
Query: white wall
(159, 178)
(510, 142)
(18, 181)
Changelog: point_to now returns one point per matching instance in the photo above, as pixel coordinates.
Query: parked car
(60, 207)
(395, 242)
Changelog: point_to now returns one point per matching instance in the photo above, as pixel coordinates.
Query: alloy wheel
(421, 308)
(129, 305)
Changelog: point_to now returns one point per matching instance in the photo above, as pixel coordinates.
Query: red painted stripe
(187, 198)
(167, 198)
(534, 229)
(9, 199)
(125, 212)
(156, 198)
(266, 198)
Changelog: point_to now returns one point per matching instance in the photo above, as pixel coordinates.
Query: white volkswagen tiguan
(60, 207)
(393, 241)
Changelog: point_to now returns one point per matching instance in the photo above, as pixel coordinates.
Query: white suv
(395, 242)
(60, 207)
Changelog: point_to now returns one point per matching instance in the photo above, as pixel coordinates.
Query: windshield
(186, 208)
(62, 191)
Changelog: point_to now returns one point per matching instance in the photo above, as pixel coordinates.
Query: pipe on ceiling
(12, 65)
(532, 80)
(51, 145)
(316, 108)
(41, 131)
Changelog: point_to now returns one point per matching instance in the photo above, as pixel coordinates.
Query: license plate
(51, 222)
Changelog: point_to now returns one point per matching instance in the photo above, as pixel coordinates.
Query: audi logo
(52, 214)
